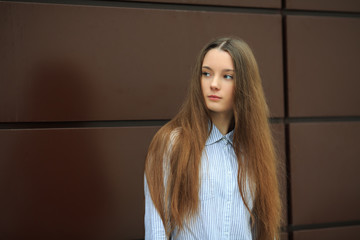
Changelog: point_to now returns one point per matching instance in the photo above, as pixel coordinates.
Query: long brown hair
(173, 160)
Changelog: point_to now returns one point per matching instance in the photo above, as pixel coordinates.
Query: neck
(223, 121)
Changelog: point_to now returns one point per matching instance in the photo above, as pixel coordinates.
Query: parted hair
(172, 165)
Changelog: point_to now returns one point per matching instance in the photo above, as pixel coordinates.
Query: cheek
(230, 90)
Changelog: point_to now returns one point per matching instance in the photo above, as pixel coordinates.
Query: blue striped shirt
(222, 212)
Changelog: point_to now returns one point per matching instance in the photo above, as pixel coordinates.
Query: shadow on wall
(58, 90)
(52, 185)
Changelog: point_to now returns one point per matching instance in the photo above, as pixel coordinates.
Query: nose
(215, 83)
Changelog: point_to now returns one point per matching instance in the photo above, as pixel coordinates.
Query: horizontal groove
(163, 6)
(289, 120)
(276, 120)
(294, 228)
(322, 119)
(320, 13)
(156, 122)
(84, 124)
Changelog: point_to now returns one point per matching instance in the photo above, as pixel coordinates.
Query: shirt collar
(216, 135)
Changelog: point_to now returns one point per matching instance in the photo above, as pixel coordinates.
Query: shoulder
(174, 134)
(168, 134)
(164, 140)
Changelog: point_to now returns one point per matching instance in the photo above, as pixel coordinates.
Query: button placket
(227, 223)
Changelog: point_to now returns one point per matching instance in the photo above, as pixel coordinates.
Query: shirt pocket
(207, 189)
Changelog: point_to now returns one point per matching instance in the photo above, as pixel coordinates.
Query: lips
(214, 97)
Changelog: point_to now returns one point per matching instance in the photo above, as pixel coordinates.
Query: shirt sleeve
(154, 228)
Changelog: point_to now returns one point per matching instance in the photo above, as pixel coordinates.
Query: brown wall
(84, 87)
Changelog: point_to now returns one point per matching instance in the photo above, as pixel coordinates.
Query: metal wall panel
(348, 233)
(60, 63)
(323, 66)
(324, 161)
(73, 183)
(324, 5)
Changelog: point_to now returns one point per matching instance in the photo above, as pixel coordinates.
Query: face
(217, 82)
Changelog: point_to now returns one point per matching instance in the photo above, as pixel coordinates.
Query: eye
(206, 74)
(227, 76)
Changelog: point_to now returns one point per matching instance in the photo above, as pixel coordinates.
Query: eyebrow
(224, 70)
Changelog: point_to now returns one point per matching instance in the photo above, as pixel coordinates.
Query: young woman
(210, 172)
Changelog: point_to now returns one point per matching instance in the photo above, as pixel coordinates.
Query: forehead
(218, 59)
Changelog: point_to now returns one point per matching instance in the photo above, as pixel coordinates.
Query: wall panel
(76, 182)
(324, 172)
(63, 64)
(348, 233)
(323, 66)
(73, 183)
